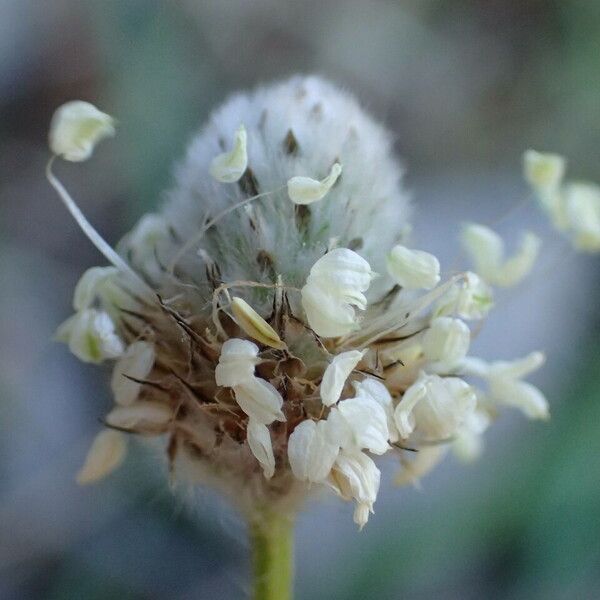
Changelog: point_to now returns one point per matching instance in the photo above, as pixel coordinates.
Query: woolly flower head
(297, 130)
(270, 323)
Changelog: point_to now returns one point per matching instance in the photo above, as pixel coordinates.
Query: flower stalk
(272, 541)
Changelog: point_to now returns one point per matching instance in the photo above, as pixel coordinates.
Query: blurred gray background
(465, 86)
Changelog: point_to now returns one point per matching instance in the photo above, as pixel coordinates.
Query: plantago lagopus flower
(272, 323)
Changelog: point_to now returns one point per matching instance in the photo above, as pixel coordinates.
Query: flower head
(249, 327)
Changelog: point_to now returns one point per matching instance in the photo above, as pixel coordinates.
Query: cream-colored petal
(104, 456)
(368, 422)
(379, 392)
(334, 286)
(446, 341)
(91, 336)
(139, 415)
(311, 452)
(543, 171)
(435, 407)
(236, 362)
(136, 363)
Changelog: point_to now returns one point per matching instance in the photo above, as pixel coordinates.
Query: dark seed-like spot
(302, 213)
(263, 119)
(355, 244)
(290, 143)
(266, 263)
(248, 183)
(316, 111)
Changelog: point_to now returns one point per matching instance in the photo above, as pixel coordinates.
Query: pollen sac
(304, 190)
(505, 383)
(254, 325)
(413, 269)
(470, 299)
(90, 286)
(76, 128)
(582, 210)
(486, 249)
(521, 395)
(333, 288)
(230, 166)
(543, 171)
(91, 336)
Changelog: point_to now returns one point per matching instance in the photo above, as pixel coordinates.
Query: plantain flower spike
(279, 334)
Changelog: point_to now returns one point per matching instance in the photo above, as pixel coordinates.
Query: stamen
(90, 232)
(225, 286)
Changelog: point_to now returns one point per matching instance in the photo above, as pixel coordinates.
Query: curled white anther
(413, 269)
(76, 128)
(486, 249)
(91, 336)
(304, 190)
(254, 325)
(230, 166)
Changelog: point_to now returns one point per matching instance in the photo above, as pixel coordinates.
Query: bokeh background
(466, 86)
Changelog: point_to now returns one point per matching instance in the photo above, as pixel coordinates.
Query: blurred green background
(465, 86)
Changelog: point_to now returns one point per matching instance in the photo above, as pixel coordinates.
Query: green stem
(272, 541)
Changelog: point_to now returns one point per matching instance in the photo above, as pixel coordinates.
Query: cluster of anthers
(250, 330)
